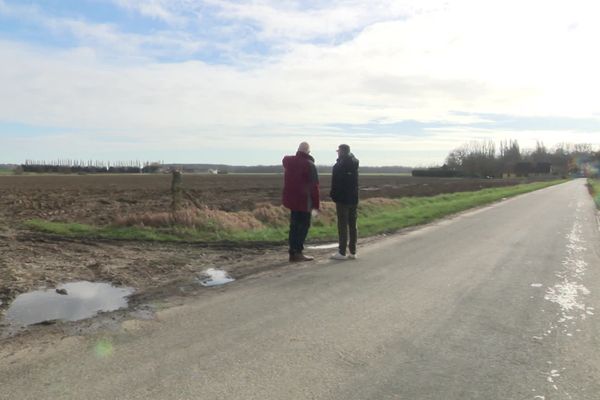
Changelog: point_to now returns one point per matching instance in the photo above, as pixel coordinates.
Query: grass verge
(594, 188)
(373, 219)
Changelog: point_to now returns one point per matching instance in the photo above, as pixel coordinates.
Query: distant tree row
(484, 159)
(68, 167)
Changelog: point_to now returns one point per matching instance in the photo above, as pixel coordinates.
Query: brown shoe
(299, 257)
(306, 258)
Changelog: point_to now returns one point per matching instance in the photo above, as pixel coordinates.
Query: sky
(244, 82)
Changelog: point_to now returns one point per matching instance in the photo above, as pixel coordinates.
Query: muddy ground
(30, 260)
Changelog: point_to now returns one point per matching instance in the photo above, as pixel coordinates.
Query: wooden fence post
(176, 191)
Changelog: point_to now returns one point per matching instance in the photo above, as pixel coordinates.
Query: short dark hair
(344, 149)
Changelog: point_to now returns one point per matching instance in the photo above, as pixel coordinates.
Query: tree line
(484, 159)
(68, 166)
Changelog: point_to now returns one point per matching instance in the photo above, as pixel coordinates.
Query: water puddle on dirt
(69, 302)
(214, 277)
(323, 246)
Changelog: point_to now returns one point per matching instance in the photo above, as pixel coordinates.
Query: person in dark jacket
(301, 197)
(344, 192)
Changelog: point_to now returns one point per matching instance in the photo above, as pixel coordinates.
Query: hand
(314, 212)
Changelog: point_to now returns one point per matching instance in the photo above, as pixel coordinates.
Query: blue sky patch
(402, 128)
(526, 123)
(20, 130)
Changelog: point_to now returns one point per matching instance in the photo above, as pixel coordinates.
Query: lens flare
(103, 348)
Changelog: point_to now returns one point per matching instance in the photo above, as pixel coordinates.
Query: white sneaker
(338, 256)
(352, 256)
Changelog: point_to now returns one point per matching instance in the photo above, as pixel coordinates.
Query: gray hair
(304, 147)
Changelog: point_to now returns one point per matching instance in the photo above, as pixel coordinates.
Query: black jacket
(344, 180)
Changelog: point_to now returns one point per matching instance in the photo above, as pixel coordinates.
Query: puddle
(323, 246)
(82, 300)
(215, 277)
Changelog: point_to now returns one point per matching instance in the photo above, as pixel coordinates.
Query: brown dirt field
(31, 260)
(96, 199)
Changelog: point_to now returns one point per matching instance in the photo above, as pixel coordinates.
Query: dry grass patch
(204, 218)
(264, 215)
(231, 221)
(379, 201)
(271, 215)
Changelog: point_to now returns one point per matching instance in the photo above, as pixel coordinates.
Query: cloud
(379, 75)
(401, 76)
(305, 21)
(164, 10)
(107, 39)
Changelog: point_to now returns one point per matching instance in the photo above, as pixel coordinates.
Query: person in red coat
(301, 197)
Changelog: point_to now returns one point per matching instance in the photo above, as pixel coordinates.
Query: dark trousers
(299, 224)
(346, 216)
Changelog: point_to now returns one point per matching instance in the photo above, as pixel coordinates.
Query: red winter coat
(300, 183)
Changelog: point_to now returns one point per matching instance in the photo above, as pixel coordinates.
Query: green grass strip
(108, 232)
(372, 220)
(594, 186)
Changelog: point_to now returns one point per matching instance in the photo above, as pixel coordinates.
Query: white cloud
(426, 64)
(302, 21)
(107, 39)
(165, 10)
(110, 42)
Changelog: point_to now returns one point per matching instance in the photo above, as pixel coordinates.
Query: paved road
(498, 303)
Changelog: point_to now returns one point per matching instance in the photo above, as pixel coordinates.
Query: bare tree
(481, 159)
(510, 156)
(475, 159)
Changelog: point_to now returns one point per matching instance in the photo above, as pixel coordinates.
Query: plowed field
(98, 198)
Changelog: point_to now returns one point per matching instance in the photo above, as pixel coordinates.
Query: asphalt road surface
(497, 303)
